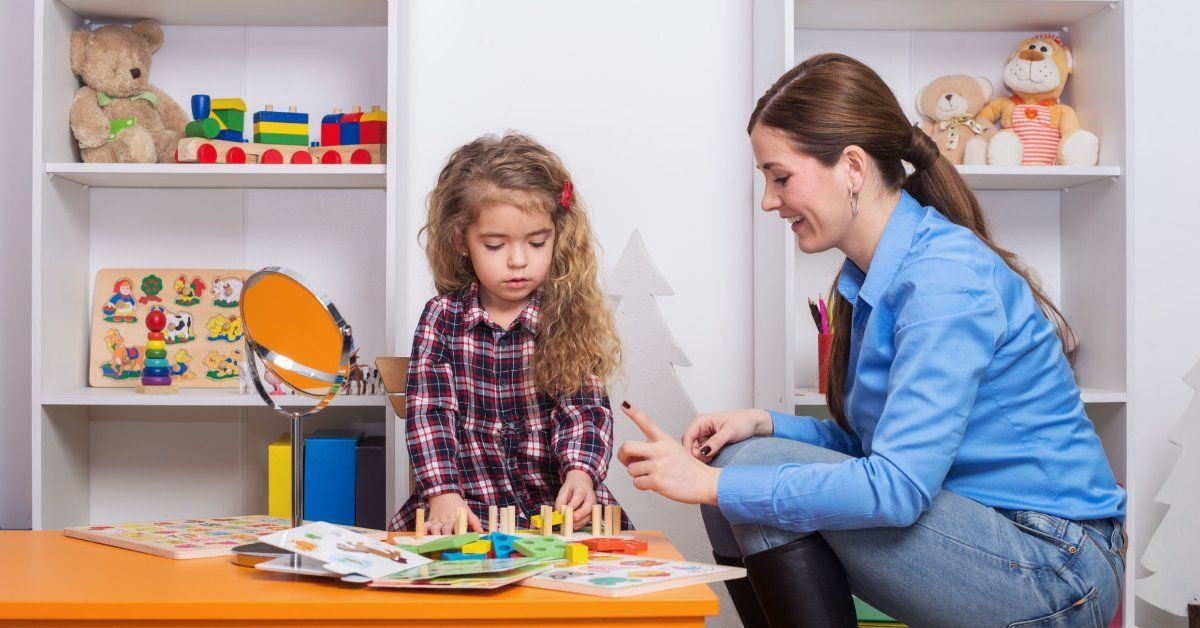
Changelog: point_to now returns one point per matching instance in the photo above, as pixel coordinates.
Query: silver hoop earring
(853, 204)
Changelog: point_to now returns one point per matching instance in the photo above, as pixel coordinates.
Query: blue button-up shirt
(956, 380)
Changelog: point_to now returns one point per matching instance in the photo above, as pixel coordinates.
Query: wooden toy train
(216, 136)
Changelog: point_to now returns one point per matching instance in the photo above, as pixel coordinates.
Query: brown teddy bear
(1038, 130)
(953, 102)
(118, 116)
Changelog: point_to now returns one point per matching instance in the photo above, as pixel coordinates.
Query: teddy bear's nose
(949, 97)
(1032, 55)
(136, 73)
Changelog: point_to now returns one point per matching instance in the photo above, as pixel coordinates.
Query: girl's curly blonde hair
(577, 338)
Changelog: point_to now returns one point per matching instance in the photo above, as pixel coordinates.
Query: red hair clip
(567, 192)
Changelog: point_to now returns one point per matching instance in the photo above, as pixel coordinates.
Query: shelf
(1035, 177)
(221, 175)
(189, 397)
(959, 15)
(809, 397)
(236, 12)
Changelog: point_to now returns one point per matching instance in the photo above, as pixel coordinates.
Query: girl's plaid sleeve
(432, 408)
(583, 431)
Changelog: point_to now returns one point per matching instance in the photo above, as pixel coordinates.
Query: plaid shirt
(476, 424)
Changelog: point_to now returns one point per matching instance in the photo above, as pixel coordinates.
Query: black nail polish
(705, 450)
(625, 404)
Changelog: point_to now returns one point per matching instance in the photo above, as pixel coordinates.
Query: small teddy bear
(952, 102)
(1038, 130)
(118, 116)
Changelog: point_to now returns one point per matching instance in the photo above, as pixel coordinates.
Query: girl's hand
(708, 433)
(661, 465)
(443, 509)
(579, 493)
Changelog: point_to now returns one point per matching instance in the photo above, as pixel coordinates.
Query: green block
(234, 120)
(446, 543)
(541, 547)
(207, 128)
(280, 138)
(155, 354)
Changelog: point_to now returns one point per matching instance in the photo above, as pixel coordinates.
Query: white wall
(646, 102)
(16, 66)
(1166, 259)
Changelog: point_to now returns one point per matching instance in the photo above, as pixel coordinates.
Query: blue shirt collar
(893, 247)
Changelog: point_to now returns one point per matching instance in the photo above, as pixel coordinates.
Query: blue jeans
(960, 564)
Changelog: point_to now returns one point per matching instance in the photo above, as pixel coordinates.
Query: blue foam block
(329, 469)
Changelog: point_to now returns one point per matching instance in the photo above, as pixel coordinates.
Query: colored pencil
(824, 326)
(816, 315)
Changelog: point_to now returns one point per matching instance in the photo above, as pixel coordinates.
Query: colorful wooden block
(462, 556)
(230, 136)
(373, 127)
(205, 127)
(616, 546)
(446, 543)
(541, 547)
(556, 519)
(350, 127)
(577, 553)
(286, 128)
(477, 547)
(231, 112)
(330, 128)
(280, 116)
(280, 138)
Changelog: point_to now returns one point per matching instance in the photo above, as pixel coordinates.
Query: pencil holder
(824, 341)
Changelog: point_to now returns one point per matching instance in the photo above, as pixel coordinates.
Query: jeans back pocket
(1085, 612)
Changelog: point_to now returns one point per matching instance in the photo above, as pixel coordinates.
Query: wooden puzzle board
(204, 335)
(190, 538)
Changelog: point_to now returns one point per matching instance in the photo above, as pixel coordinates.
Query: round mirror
(297, 335)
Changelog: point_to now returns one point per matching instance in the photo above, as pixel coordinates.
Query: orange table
(49, 579)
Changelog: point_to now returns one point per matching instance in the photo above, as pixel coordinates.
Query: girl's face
(511, 250)
(813, 198)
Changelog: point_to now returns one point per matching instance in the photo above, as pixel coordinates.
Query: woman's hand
(661, 465)
(708, 433)
(443, 509)
(579, 493)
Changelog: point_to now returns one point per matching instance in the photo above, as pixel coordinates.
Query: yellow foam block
(577, 553)
(286, 128)
(279, 478)
(477, 547)
(156, 344)
(555, 520)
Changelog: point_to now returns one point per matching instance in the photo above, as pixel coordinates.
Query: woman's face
(813, 198)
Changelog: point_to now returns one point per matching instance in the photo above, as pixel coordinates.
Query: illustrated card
(202, 345)
(343, 551)
(620, 575)
(482, 581)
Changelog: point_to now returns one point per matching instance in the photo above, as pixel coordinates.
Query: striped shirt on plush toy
(1031, 122)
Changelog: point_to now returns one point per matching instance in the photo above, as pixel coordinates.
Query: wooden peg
(568, 525)
(596, 527)
(460, 524)
(374, 107)
(510, 519)
(337, 109)
(492, 519)
(608, 524)
(615, 530)
(356, 109)
(547, 520)
(419, 530)
(292, 109)
(268, 107)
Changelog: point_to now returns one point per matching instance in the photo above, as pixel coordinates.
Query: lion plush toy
(118, 116)
(952, 102)
(1037, 129)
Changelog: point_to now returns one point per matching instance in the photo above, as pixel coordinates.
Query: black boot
(742, 595)
(802, 585)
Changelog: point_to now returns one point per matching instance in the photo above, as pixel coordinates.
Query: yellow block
(556, 519)
(228, 103)
(481, 546)
(156, 344)
(286, 128)
(279, 478)
(577, 553)
(372, 116)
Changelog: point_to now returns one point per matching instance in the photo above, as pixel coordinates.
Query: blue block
(281, 116)
(462, 556)
(156, 371)
(349, 133)
(502, 549)
(229, 136)
(329, 468)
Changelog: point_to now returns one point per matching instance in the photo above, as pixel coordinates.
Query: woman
(960, 482)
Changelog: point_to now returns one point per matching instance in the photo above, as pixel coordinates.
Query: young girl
(506, 398)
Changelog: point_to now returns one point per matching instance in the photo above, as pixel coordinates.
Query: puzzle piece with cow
(204, 338)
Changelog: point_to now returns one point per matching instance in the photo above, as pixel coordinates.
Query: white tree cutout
(1173, 553)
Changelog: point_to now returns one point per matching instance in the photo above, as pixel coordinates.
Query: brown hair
(577, 338)
(831, 101)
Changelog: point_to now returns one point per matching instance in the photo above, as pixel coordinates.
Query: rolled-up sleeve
(583, 431)
(432, 408)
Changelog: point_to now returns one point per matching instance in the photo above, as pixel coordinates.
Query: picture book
(620, 575)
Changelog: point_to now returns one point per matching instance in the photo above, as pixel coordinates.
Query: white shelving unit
(110, 454)
(1069, 224)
